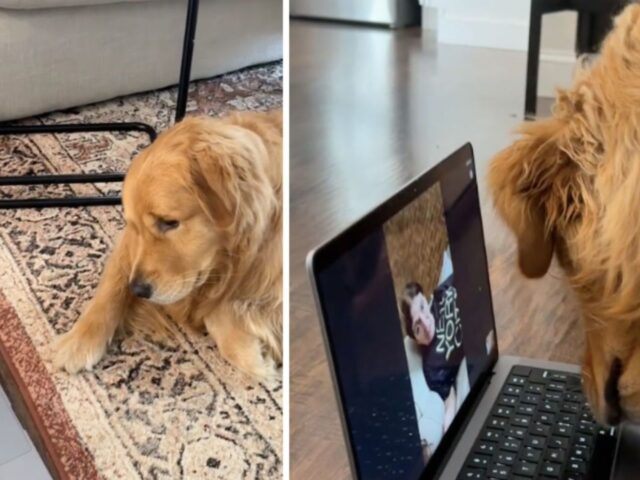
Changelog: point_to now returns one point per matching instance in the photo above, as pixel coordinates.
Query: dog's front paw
(252, 362)
(264, 370)
(79, 349)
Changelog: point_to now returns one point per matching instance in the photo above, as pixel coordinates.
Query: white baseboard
(556, 66)
(507, 34)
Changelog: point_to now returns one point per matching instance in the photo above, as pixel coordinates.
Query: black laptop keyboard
(540, 427)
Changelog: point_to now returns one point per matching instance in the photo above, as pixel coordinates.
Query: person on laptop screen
(434, 326)
(423, 276)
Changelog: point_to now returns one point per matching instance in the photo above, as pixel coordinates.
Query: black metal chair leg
(67, 178)
(187, 58)
(533, 61)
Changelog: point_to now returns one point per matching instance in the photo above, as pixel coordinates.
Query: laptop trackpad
(627, 463)
(13, 441)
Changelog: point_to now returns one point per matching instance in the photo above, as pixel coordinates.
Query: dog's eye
(165, 225)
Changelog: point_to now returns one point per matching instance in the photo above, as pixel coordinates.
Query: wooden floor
(370, 109)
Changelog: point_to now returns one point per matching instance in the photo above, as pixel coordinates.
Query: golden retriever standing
(202, 244)
(571, 185)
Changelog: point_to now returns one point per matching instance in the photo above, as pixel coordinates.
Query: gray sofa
(55, 54)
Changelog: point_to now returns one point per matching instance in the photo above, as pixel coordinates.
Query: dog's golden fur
(571, 185)
(203, 206)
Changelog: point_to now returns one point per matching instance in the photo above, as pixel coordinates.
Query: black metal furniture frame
(181, 105)
(594, 21)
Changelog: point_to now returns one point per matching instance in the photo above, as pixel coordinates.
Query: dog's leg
(237, 345)
(85, 344)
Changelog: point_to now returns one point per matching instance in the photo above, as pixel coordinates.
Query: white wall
(504, 24)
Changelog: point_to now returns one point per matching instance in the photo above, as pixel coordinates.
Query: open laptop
(404, 299)
(18, 457)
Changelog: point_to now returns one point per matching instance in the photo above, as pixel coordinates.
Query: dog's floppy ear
(228, 172)
(213, 182)
(521, 179)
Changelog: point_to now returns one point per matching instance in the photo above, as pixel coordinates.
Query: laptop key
(472, 474)
(510, 445)
(539, 376)
(536, 442)
(498, 423)
(559, 442)
(479, 461)
(570, 408)
(576, 466)
(487, 448)
(534, 388)
(573, 397)
(505, 412)
(521, 370)
(516, 432)
(553, 396)
(491, 435)
(580, 453)
(526, 469)
(545, 419)
(556, 456)
(531, 455)
(541, 430)
(521, 421)
(567, 418)
(526, 409)
(558, 377)
(587, 417)
(549, 407)
(499, 472)
(531, 398)
(563, 431)
(556, 387)
(551, 470)
(516, 380)
(508, 401)
(505, 458)
(512, 390)
(583, 441)
(587, 429)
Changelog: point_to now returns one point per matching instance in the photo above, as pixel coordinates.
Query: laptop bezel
(324, 255)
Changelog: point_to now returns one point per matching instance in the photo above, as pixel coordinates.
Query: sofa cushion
(36, 4)
(51, 59)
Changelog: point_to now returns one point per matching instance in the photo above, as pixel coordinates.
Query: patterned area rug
(149, 410)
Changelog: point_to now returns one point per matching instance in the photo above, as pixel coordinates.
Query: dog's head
(193, 201)
(569, 186)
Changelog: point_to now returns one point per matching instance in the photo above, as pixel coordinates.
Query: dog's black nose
(141, 289)
(612, 394)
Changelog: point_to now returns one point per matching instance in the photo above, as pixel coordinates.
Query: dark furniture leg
(187, 58)
(533, 60)
(595, 18)
(8, 129)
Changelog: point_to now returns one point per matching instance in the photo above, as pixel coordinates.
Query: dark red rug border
(68, 443)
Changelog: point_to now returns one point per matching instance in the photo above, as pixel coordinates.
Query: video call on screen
(408, 314)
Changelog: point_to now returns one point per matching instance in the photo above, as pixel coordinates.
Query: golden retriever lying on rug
(571, 185)
(202, 244)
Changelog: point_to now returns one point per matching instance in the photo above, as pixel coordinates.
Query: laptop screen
(408, 319)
